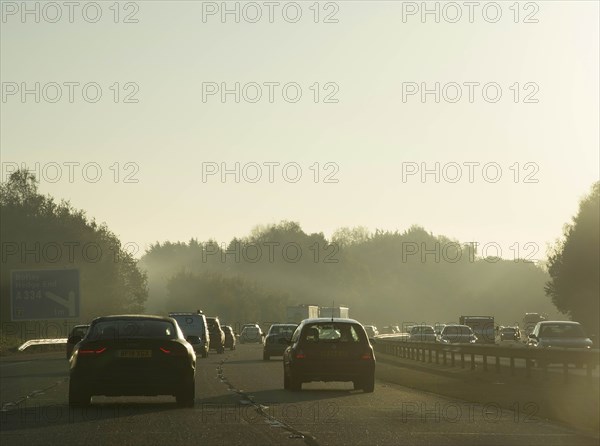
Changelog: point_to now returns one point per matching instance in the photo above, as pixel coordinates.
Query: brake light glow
(300, 355)
(92, 352)
(173, 352)
(366, 356)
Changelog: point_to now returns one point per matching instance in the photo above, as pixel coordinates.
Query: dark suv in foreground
(329, 349)
(77, 334)
(273, 345)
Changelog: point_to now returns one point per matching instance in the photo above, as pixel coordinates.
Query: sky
(480, 125)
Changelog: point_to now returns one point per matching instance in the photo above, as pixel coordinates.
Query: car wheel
(368, 384)
(221, 349)
(295, 384)
(286, 381)
(78, 397)
(186, 395)
(357, 385)
(266, 356)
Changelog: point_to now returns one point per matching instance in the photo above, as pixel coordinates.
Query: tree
(574, 265)
(38, 233)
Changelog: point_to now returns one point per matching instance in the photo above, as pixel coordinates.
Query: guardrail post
(445, 357)
(452, 357)
(497, 364)
(485, 363)
(472, 361)
(588, 371)
(423, 355)
(429, 354)
(528, 367)
(462, 360)
(437, 356)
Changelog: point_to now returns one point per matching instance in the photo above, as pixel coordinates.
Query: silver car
(558, 334)
(457, 334)
(422, 333)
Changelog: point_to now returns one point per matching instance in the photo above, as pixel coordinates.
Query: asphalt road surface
(240, 401)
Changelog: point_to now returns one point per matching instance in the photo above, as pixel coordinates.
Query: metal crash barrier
(431, 352)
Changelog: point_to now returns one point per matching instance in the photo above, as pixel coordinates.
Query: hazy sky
(369, 120)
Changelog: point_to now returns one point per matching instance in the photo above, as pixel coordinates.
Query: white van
(195, 330)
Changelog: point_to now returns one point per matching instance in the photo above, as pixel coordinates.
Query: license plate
(135, 354)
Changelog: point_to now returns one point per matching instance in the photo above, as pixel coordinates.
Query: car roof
(559, 322)
(329, 319)
(132, 317)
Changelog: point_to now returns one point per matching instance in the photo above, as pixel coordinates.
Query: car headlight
(588, 346)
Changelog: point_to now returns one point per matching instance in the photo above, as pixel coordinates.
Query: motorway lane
(333, 413)
(240, 400)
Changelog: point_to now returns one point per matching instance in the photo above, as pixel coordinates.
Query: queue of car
(155, 355)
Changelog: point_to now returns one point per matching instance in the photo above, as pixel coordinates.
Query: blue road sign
(44, 294)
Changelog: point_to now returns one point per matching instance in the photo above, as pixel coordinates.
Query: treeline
(38, 233)
(384, 277)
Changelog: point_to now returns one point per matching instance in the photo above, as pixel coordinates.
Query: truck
(482, 326)
(297, 313)
(341, 312)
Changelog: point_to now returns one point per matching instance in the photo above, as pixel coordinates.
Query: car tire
(286, 380)
(221, 349)
(78, 397)
(266, 356)
(186, 395)
(295, 384)
(368, 384)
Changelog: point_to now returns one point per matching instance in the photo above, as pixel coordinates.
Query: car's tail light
(300, 355)
(92, 352)
(173, 351)
(367, 355)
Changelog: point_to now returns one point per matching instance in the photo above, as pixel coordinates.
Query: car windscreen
(458, 330)
(120, 329)
(508, 330)
(333, 332)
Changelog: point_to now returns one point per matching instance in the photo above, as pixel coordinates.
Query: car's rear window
(251, 330)
(422, 330)
(282, 329)
(116, 329)
(561, 331)
(333, 332)
(508, 330)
